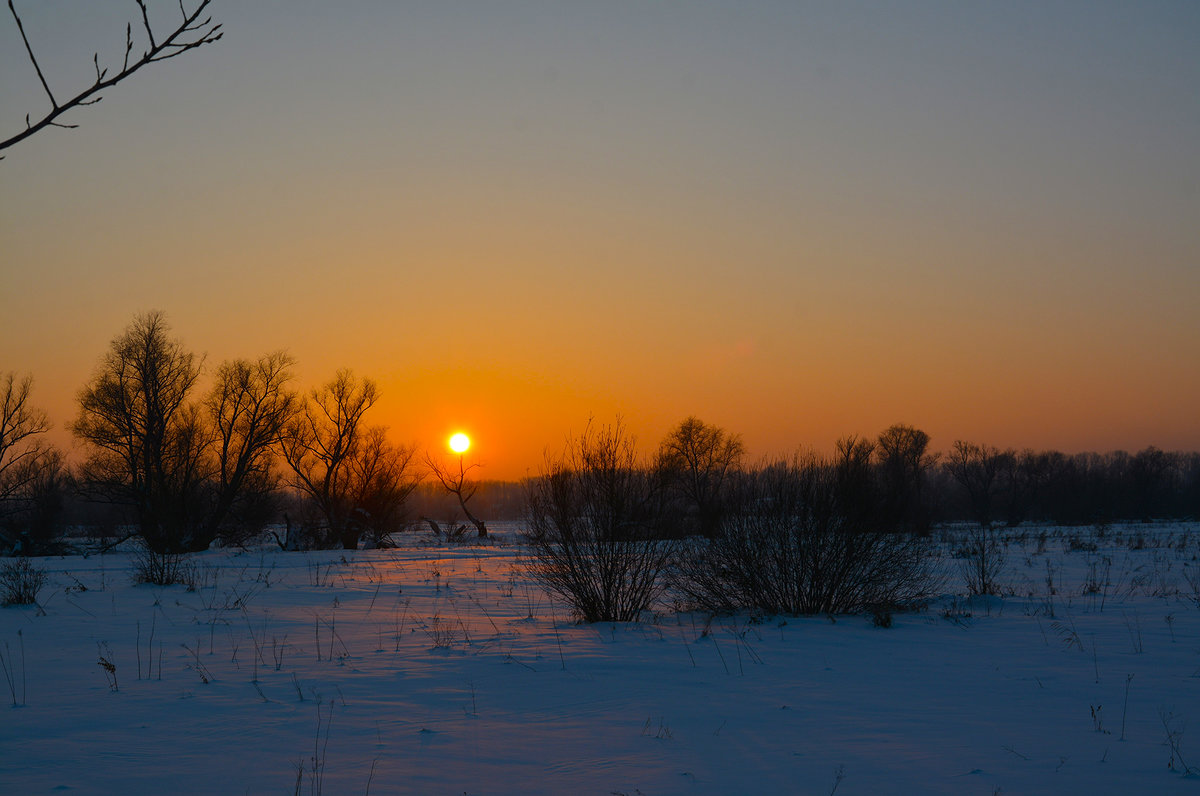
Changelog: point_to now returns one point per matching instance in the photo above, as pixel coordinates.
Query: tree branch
(32, 57)
(189, 35)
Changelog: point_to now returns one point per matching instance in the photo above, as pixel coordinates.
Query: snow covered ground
(435, 669)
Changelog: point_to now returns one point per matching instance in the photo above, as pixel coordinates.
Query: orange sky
(796, 221)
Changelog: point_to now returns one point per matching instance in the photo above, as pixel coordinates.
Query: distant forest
(972, 484)
(182, 469)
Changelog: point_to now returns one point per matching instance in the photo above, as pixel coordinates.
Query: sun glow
(460, 442)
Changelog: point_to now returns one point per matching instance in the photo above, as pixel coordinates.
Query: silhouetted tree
(1080, 492)
(145, 445)
(45, 505)
(383, 476)
(901, 452)
(458, 485)
(698, 462)
(187, 470)
(21, 427)
(32, 476)
(1018, 499)
(191, 32)
(249, 406)
(856, 491)
(493, 500)
(981, 471)
(1188, 498)
(1150, 474)
(320, 445)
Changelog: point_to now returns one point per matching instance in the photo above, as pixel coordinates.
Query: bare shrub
(162, 569)
(20, 582)
(593, 522)
(788, 550)
(982, 561)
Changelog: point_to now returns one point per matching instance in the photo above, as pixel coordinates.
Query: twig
(32, 57)
(371, 776)
(718, 648)
(1125, 710)
(21, 638)
(1014, 751)
(8, 675)
(557, 638)
(839, 774)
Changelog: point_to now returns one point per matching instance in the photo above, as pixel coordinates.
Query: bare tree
(698, 462)
(593, 532)
(383, 475)
(320, 445)
(1150, 472)
(902, 454)
(857, 494)
(1023, 487)
(981, 471)
(21, 426)
(458, 485)
(32, 474)
(248, 407)
(191, 32)
(146, 444)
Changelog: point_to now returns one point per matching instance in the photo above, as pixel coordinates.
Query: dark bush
(162, 569)
(20, 582)
(593, 528)
(787, 549)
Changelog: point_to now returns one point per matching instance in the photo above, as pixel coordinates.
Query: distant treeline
(182, 469)
(1084, 488)
(970, 483)
(878, 484)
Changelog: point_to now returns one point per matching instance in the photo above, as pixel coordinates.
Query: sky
(794, 220)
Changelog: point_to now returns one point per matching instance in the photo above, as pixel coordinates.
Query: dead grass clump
(20, 582)
(163, 569)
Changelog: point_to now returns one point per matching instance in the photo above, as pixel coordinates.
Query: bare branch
(188, 35)
(146, 22)
(32, 57)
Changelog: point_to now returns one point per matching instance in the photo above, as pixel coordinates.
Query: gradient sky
(795, 220)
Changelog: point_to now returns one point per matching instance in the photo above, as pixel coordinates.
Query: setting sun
(460, 442)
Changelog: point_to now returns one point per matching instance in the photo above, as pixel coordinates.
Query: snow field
(445, 669)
